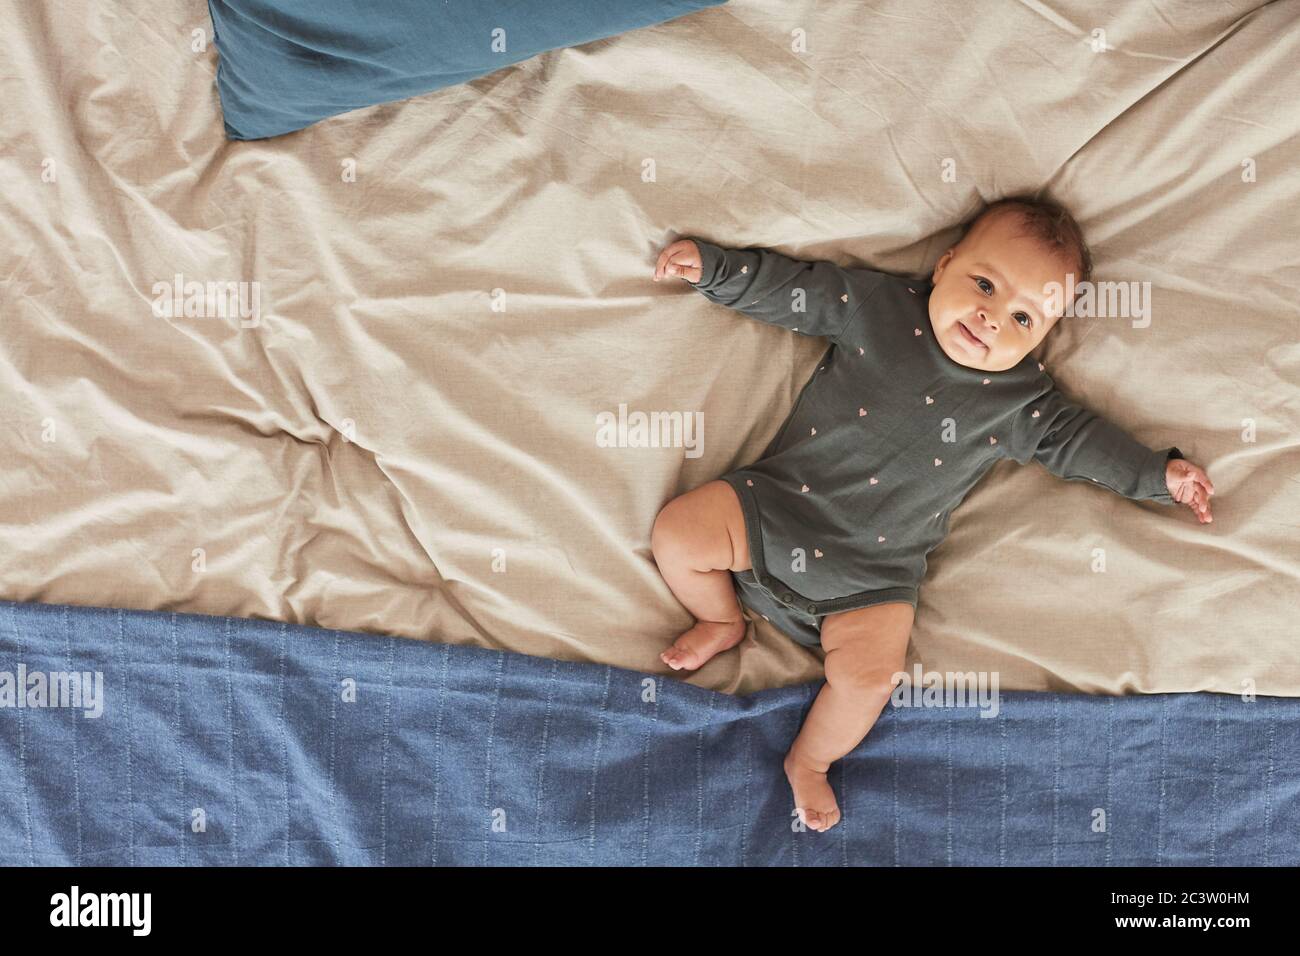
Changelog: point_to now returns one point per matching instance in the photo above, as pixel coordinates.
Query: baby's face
(990, 305)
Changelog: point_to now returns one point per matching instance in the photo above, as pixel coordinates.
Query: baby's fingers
(673, 257)
(663, 261)
(687, 272)
(679, 260)
(684, 265)
(1197, 474)
(1200, 503)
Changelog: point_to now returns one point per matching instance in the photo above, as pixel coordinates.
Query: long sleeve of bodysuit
(1076, 444)
(811, 298)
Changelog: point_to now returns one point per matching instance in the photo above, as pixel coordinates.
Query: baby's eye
(1023, 319)
(985, 285)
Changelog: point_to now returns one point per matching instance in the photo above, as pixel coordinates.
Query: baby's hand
(681, 259)
(1191, 486)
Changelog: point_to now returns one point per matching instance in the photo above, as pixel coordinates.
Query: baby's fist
(681, 259)
(1191, 486)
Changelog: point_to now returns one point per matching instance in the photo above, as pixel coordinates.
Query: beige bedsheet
(390, 450)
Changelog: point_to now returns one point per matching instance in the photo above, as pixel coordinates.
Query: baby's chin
(967, 363)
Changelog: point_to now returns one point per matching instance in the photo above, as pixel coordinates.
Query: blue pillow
(285, 64)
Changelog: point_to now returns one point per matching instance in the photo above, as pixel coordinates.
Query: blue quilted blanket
(158, 738)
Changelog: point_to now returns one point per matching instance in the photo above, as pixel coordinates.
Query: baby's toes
(811, 818)
(819, 820)
(677, 658)
(814, 799)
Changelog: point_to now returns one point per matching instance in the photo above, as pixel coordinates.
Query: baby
(926, 385)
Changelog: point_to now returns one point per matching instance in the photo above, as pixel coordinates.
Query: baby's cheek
(938, 308)
(949, 303)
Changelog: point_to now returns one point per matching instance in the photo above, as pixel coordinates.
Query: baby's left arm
(1076, 444)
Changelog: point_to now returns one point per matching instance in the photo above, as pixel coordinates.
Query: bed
(400, 438)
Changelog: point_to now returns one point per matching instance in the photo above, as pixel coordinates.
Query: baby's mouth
(973, 339)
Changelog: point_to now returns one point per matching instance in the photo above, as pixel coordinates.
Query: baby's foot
(813, 797)
(695, 647)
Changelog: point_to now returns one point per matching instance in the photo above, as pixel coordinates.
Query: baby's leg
(864, 650)
(698, 539)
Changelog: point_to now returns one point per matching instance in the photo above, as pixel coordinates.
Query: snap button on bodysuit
(787, 597)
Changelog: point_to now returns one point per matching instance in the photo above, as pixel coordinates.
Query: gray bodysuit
(886, 439)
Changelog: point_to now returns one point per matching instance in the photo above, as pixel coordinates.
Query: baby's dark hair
(1047, 221)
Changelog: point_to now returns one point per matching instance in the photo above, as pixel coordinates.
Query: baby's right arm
(812, 298)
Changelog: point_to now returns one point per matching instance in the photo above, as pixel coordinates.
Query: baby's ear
(941, 265)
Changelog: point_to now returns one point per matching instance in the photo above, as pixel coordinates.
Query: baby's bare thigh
(875, 636)
(710, 521)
